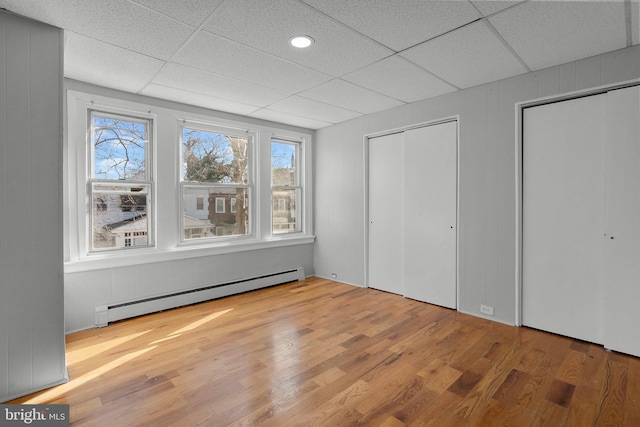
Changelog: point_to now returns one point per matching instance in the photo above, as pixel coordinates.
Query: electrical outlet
(486, 309)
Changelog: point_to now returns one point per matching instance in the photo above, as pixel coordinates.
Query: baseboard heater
(125, 310)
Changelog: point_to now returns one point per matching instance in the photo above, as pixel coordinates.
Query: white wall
(91, 281)
(487, 208)
(31, 292)
(87, 289)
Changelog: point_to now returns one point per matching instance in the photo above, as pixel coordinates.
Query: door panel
(386, 197)
(430, 214)
(622, 244)
(563, 217)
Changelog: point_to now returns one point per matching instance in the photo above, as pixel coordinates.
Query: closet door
(563, 217)
(622, 247)
(430, 214)
(386, 204)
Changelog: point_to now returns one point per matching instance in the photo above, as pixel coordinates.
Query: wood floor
(322, 353)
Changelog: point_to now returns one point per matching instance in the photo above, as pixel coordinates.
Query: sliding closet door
(563, 217)
(386, 199)
(430, 213)
(622, 247)
(413, 213)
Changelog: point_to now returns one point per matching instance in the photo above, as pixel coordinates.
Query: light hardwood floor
(322, 353)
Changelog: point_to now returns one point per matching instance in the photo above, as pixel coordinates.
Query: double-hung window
(149, 182)
(216, 166)
(286, 191)
(120, 181)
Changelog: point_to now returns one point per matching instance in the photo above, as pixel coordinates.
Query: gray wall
(31, 291)
(487, 210)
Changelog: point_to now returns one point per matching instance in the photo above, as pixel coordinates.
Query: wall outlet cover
(486, 309)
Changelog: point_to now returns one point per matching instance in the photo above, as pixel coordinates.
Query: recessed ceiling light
(301, 41)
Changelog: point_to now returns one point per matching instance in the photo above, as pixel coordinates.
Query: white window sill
(150, 255)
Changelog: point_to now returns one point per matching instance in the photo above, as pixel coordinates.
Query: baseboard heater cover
(125, 310)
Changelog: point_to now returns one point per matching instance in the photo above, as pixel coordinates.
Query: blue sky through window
(119, 148)
(282, 155)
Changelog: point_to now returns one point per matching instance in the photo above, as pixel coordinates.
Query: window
(219, 205)
(286, 191)
(220, 186)
(139, 238)
(280, 205)
(120, 182)
(216, 166)
(101, 205)
(133, 202)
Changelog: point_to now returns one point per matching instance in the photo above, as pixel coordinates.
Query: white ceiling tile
(548, 33)
(197, 99)
(347, 95)
(399, 24)
(34, 9)
(118, 22)
(211, 53)
(192, 12)
(304, 107)
(400, 79)
(467, 57)
(93, 61)
(268, 25)
(489, 7)
(289, 119)
(195, 80)
(124, 44)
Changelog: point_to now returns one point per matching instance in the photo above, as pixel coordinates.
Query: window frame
(251, 136)
(144, 186)
(297, 187)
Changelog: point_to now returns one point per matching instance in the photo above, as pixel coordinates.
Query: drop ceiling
(368, 55)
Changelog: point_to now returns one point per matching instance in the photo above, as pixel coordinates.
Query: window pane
(119, 147)
(225, 214)
(283, 163)
(213, 157)
(220, 202)
(119, 217)
(284, 210)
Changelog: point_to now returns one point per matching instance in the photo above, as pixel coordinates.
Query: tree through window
(216, 168)
(119, 148)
